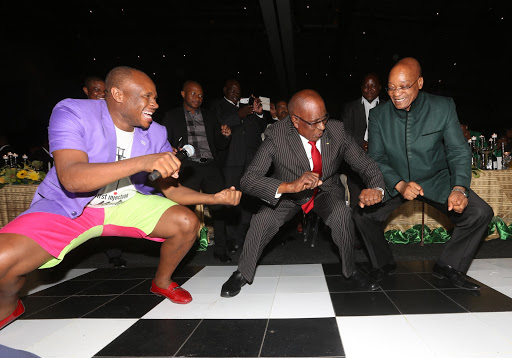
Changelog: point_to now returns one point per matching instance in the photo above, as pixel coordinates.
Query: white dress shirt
(367, 107)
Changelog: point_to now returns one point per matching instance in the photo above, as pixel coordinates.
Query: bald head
(232, 90)
(131, 98)
(192, 94)
(405, 82)
(308, 114)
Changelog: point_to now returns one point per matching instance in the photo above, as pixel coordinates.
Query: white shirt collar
(237, 104)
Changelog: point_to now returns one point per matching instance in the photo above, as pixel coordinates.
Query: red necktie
(317, 168)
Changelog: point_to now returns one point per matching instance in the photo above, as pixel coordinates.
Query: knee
(188, 223)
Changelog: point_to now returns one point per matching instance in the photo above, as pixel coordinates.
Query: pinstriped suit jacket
(283, 148)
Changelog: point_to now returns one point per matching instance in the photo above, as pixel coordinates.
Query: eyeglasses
(399, 89)
(315, 123)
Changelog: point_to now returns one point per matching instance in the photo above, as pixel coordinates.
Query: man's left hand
(229, 196)
(370, 197)
(457, 202)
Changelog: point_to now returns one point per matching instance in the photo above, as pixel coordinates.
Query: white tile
(268, 271)
(380, 336)
(506, 290)
(458, 335)
(216, 271)
(495, 278)
(481, 264)
(260, 286)
(302, 270)
(242, 307)
(505, 263)
(204, 285)
(197, 309)
(297, 284)
(81, 338)
(302, 305)
(499, 322)
(64, 338)
(22, 334)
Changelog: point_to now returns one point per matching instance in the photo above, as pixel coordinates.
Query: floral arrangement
(27, 173)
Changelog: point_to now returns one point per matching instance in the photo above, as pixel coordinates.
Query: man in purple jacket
(103, 152)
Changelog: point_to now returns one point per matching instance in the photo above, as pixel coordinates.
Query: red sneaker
(174, 293)
(18, 311)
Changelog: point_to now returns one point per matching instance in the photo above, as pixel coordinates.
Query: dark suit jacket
(245, 133)
(434, 153)
(176, 125)
(283, 148)
(354, 119)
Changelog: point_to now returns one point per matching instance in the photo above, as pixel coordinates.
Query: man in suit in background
(355, 119)
(247, 124)
(417, 141)
(191, 124)
(306, 151)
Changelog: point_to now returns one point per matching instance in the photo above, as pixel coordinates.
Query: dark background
(326, 45)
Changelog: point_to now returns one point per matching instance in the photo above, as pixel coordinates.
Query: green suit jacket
(424, 145)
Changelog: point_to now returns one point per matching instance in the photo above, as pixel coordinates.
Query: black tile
(309, 337)
(35, 304)
(423, 302)
(420, 266)
(136, 272)
(484, 300)
(151, 338)
(126, 306)
(443, 283)
(404, 281)
(186, 271)
(332, 269)
(99, 274)
(362, 304)
(341, 284)
(226, 338)
(72, 307)
(145, 286)
(111, 287)
(67, 288)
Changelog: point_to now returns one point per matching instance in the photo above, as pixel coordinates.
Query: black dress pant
(239, 216)
(470, 228)
(208, 178)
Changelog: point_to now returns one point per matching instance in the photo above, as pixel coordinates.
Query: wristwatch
(461, 190)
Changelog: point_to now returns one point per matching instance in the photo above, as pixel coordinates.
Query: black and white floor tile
(289, 311)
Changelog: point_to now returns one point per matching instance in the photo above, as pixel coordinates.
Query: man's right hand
(166, 163)
(308, 180)
(409, 190)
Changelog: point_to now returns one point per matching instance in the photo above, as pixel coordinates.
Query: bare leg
(179, 226)
(19, 255)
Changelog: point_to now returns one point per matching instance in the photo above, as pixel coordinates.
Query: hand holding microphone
(186, 152)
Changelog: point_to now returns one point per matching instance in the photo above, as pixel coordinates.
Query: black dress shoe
(222, 257)
(118, 261)
(455, 277)
(233, 285)
(362, 281)
(378, 274)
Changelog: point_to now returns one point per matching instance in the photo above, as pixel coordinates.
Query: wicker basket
(14, 199)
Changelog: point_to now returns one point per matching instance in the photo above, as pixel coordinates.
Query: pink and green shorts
(59, 234)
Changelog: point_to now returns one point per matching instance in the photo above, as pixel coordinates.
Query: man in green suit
(418, 144)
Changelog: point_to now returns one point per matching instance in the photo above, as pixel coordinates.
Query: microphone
(184, 153)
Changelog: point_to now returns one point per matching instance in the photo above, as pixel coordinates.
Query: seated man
(417, 141)
(97, 188)
(306, 151)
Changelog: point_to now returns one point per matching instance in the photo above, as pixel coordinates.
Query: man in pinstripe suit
(296, 180)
